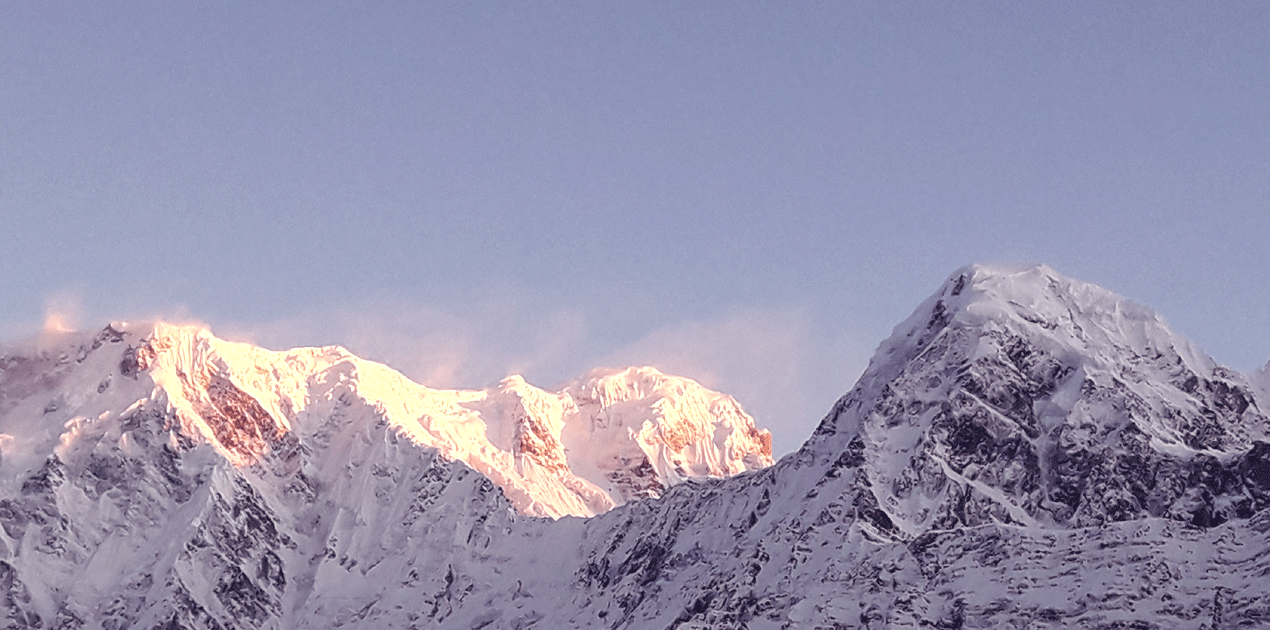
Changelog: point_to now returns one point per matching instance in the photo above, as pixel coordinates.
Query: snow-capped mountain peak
(634, 433)
(647, 430)
(158, 477)
(1022, 396)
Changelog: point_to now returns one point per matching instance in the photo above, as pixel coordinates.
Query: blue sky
(752, 194)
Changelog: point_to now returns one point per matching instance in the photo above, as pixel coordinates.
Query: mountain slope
(1026, 450)
(630, 432)
(1035, 399)
(217, 481)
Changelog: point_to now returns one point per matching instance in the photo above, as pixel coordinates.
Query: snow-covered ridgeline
(1025, 451)
(606, 438)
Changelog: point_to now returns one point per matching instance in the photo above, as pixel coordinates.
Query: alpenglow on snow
(1026, 450)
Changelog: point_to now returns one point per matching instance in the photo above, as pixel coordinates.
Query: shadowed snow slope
(1025, 451)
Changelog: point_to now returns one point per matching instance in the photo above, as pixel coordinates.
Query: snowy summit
(1025, 450)
(604, 439)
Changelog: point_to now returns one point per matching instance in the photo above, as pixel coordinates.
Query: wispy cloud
(466, 347)
(769, 359)
(765, 358)
(62, 312)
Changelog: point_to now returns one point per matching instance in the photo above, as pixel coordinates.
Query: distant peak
(514, 381)
(639, 371)
(609, 385)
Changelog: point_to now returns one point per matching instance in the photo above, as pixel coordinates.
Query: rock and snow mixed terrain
(1025, 451)
(604, 439)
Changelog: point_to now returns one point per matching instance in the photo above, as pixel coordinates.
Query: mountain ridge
(1043, 367)
(655, 429)
(1024, 449)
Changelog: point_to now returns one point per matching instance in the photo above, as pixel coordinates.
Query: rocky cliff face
(1033, 399)
(1025, 451)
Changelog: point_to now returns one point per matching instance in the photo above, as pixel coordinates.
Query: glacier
(1025, 451)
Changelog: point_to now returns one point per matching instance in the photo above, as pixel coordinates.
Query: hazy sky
(751, 194)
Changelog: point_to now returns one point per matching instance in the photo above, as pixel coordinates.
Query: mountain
(1034, 399)
(1026, 450)
(604, 439)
